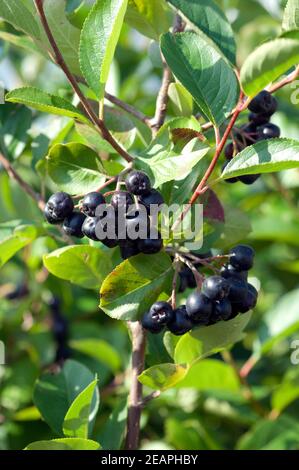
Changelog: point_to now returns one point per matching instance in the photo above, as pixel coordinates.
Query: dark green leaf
(203, 72)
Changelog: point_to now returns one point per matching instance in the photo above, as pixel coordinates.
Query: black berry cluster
(222, 298)
(139, 194)
(187, 279)
(262, 107)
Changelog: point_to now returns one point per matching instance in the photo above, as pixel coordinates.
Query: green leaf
(134, 285)
(16, 13)
(15, 123)
(54, 393)
(168, 164)
(181, 99)
(64, 444)
(281, 434)
(203, 342)
(112, 433)
(205, 16)
(66, 35)
(264, 157)
(81, 413)
(98, 349)
(14, 237)
(291, 16)
(21, 41)
(98, 42)
(42, 101)
(163, 376)
(210, 374)
(84, 265)
(75, 168)
(267, 63)
(237, 227)
(279, 322)
(119, 125)
(287, 391)
(203, 72)
(142, 15)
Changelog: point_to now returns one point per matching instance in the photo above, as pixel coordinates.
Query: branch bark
(12, 173)
(135, 397)
(59, 60)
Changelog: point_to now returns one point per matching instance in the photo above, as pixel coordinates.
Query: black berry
(89, 228)
(229, 151)
(242, 257)
(230, 271)
(90, 203)
(59, 206)
(138, 183)
(152, 198)
(259, 119)
(229, 180)
(268, 131)
(49, 216)
(264, 102)
(250, 301)
(121, 200)
(128, 249)
(216, 287)
(150, 246)
(72, 225)
(181, 323)
(222, 310)
(199, 308)
(249, 179)
(161, 312)
(238, 289)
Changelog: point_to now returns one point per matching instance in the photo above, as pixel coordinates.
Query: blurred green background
(215, 417)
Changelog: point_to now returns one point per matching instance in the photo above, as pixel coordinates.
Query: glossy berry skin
(50, 218)
(121, 200)
(151, 325)
(152, 198)
(242, 257)
(161, 313)
(199, 308)
(90, 203)
(264, 102)
(72, 225)
(150, 246)
(238, 289)
(216, 288)
(89, 228)
(229, 180)
(251, 300)
(268, 131)
(228, 271)
(181, 323)
(59, 206)
(222, 310)
(259, 119)
(138, 183)
(137, 225)
(249, 179)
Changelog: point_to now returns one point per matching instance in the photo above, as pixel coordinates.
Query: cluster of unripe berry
(222, 298)
(262, 107)
(87, 222)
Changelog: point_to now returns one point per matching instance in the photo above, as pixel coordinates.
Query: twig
(59, 60)
(162, 99)
(174, 282)
(248, 366)
(285, 81)
(135, 397)
(150, 397)
(201, 188)
(248, 394)
(128, 108)
(12, 173)
(198, 277)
